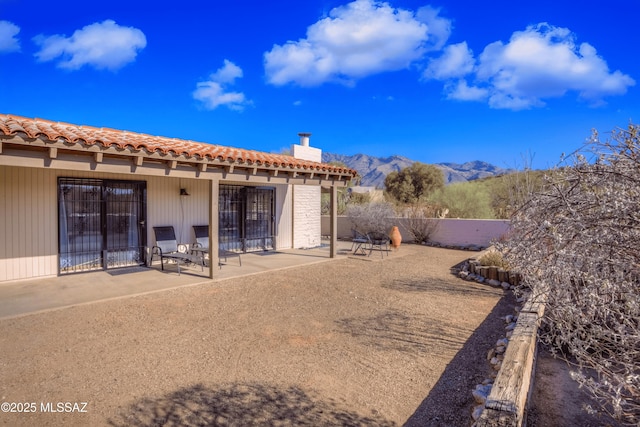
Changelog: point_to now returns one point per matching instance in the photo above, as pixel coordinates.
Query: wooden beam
(333, 222)
(53, 152)
(274, 172)
(230, 169)
(255, 170)
(214, 189)
(173, 164)
(98, 157)
(0, 147)
(138, 160)
(203, 167)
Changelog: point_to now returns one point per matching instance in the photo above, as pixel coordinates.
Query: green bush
(465, 200)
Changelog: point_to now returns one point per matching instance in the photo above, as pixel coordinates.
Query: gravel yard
(344, 342)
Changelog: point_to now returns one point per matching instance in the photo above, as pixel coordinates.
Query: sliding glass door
(101, 224)
(246, 218)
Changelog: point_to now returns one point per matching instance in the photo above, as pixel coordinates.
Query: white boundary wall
(448, 231)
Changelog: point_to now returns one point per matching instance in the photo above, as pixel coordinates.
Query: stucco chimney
(304, 138)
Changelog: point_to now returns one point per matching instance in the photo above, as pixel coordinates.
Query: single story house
(79, 198)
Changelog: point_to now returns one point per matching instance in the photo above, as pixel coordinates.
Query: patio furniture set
(366, 243)
(167, 247)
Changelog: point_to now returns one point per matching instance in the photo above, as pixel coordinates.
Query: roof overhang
(198, 160)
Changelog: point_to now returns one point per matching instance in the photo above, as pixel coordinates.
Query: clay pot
(396, 237)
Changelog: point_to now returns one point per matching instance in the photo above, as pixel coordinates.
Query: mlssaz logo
(63, 407)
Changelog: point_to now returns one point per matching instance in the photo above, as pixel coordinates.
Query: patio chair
(359, 242)
(202, 245)
(378, 241)
(167, 247)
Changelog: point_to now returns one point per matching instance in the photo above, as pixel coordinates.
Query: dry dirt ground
(344, 342)
(557, 401)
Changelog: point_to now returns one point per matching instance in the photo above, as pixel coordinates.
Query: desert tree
(415, 183)
(577, 244)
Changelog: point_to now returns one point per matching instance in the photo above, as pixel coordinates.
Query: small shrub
(495, 259)
(420, 222)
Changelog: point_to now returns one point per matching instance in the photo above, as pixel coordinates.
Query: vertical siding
(4, 223)
(28, 225)
(48, 205)
(165, 206)
(29, 220)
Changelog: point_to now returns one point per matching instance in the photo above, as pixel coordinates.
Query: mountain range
(373, 170)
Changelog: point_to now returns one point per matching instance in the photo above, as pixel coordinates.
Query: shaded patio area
(32, 296)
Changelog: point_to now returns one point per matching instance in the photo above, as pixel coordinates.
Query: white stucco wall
(448, 232)
(307, 214)
(464, 232)
(312, 154)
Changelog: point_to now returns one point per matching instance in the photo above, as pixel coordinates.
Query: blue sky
(507, 82)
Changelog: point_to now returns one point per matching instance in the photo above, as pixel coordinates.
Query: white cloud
(228, 73)
(461, 91)
(538, 63)
(439, 27)
(8, 40)
(361, 38)
(102, 45)
(213, 93)
(456, 61)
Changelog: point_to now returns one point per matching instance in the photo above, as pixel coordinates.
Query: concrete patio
(32, 296)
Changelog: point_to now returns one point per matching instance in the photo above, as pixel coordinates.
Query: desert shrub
(494, 258)
(371, 217)
(464, 200)
(420, 221)
(507, 192)
(359, 198)
(342, 202)
(576, 245)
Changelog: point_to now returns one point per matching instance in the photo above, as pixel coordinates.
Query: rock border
(501, 401)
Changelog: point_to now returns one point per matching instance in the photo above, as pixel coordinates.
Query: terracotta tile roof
(87, 136)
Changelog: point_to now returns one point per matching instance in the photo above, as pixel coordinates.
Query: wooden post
(482, 270)
(333, 249)
(214, 186)
(473, 263)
